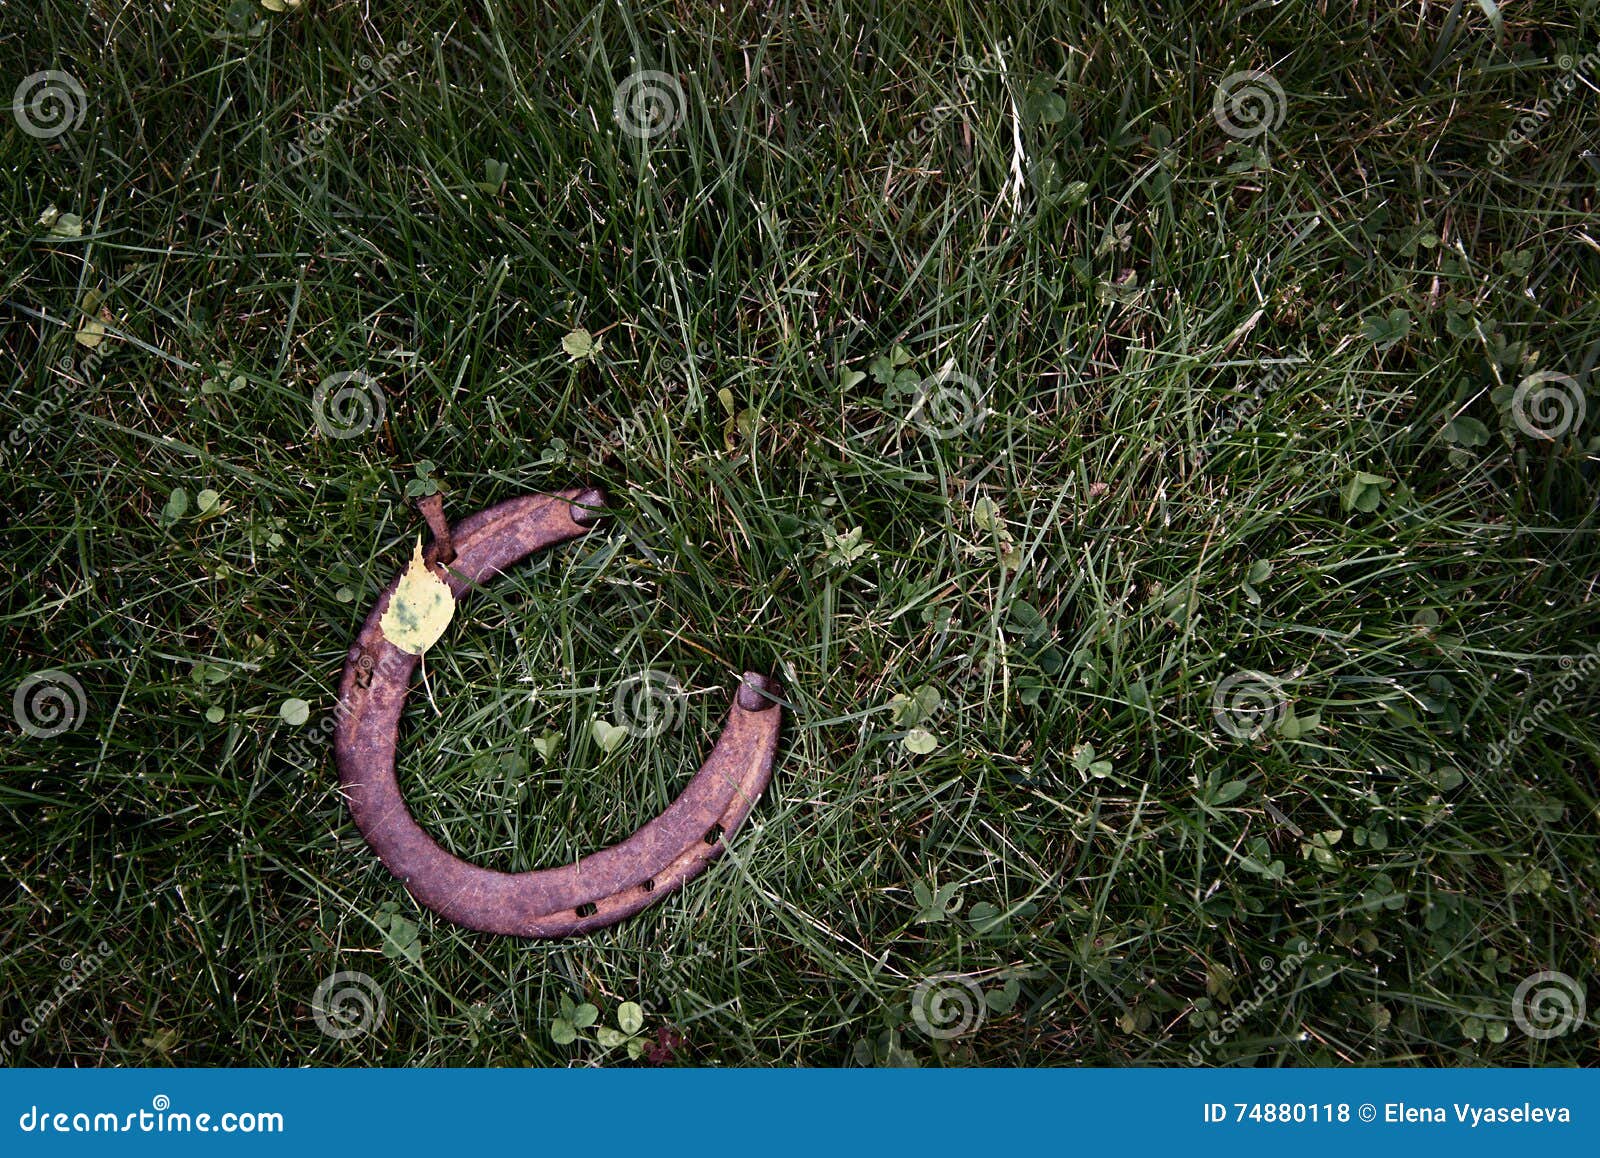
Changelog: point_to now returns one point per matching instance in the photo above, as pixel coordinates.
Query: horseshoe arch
(601, 888)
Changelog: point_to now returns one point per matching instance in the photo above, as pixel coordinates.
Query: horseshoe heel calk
(599, 889)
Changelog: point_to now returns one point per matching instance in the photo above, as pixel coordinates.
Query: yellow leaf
(420, 608)
(91, 329)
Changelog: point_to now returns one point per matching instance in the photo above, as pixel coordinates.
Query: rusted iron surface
(603, 887)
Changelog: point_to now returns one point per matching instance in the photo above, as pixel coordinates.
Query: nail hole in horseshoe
(648, 884)
(587, 909)
(714, 834)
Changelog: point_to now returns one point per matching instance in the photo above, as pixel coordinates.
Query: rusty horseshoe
(600, 889)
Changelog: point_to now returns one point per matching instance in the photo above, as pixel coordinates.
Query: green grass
(1067, 572)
